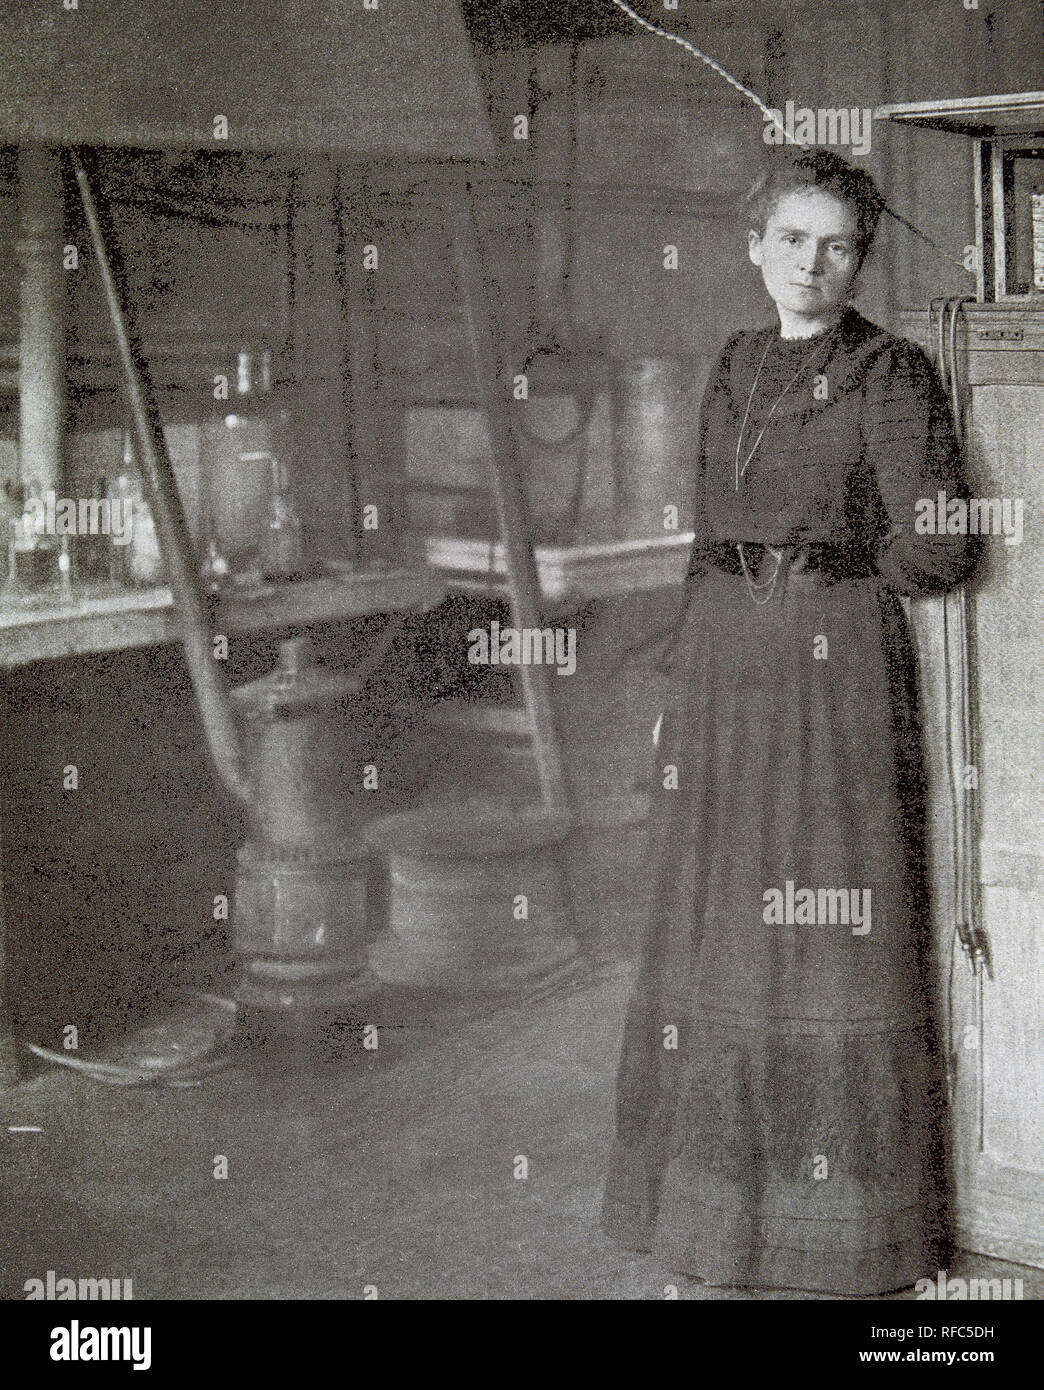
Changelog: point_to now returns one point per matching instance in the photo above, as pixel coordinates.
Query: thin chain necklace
(762, 590)
(741, 471)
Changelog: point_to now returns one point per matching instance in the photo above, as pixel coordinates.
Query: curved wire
(769, 114)
(712, 63)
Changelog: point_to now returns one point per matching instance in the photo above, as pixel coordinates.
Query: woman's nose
(812, 259)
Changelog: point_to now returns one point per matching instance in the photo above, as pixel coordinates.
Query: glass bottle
(282, 551)
(121, 503)
(144, 560)
(215, 568)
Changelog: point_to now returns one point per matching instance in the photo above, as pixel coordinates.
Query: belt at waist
(828, 561)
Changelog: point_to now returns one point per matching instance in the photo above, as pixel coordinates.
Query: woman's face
(807, 256)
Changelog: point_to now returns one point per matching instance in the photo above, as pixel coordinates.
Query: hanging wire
(770, 115)
(712, 63)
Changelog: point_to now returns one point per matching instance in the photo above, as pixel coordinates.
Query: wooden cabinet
(996, 1025)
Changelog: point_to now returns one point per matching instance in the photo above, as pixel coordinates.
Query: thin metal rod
(190, 609)
(523, 580)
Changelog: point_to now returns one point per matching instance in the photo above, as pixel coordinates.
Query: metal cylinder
(454, 873)
(652, 435)
(41, 376)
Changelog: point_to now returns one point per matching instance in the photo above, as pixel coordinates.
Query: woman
(779, 1102)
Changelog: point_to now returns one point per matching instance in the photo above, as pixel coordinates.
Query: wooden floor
(349, 1168)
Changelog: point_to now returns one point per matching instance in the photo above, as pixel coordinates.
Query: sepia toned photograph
(522, 771)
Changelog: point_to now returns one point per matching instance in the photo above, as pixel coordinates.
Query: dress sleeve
(909, 441)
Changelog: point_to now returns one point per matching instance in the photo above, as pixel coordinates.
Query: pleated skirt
(779, 1100)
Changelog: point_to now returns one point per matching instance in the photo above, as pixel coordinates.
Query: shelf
(102, 619)
(566, 572)
(982, 117)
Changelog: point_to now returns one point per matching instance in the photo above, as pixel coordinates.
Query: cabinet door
(996, 1026)
(1000, 1073)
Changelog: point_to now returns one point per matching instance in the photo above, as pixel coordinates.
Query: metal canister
(654, 427)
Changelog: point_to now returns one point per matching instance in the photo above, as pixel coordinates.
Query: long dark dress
(793, 1136)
